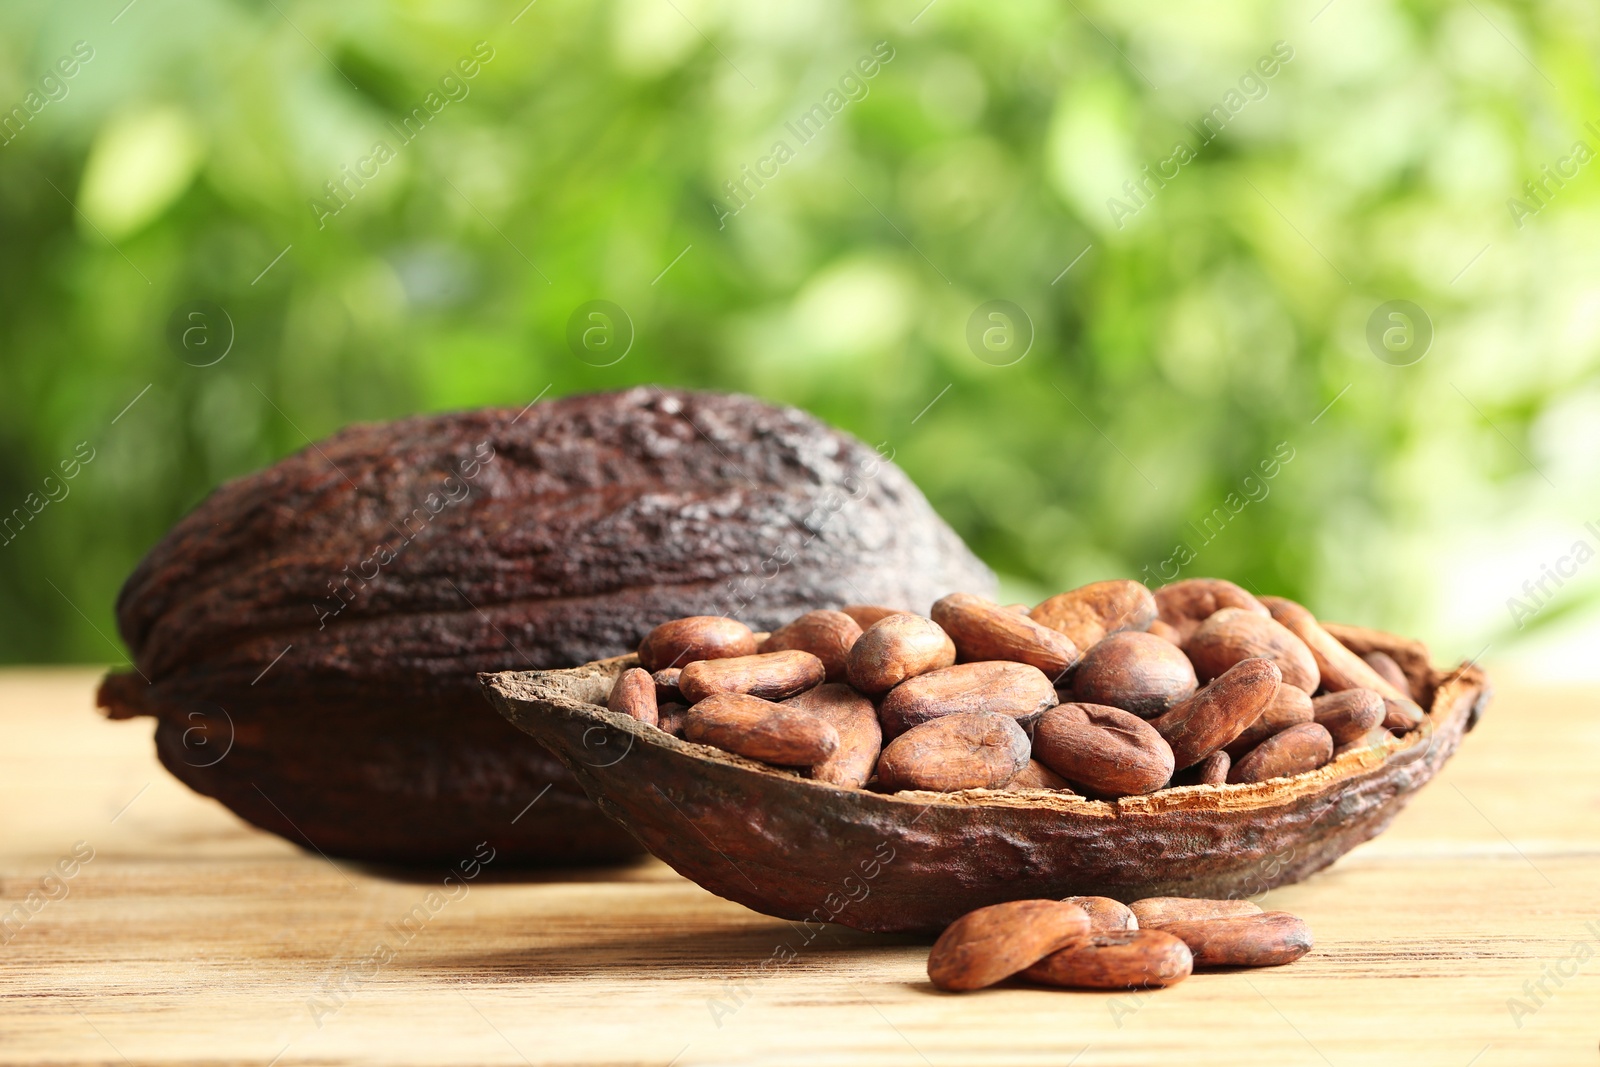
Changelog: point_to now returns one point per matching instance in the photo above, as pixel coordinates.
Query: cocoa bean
(1298, 749)
(1373, 738)
(761, 730)
(634, 694)
(1013, 689)
(1270, 939)
(1106, 916)
(1185, 604)
(1088, 613)
(860, 737)
(1166, 632)
(697, 637)
(967, 750)
(1213, 770)
(867, 614)
(1289, 707)
(1107, 751)
(769, 675)
(1349, 713)
(671, 718)
(1037, 776)
(1389, 671)
(1137, 672)
(1120, 959)
(895, 648)
(993, 943)
(1235, 634)
(1154, 913)
(983, 630)
(1217, 714)
(1342, 669)
(666, 681)
(827, 635)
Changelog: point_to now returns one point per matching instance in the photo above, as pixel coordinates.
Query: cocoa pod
(769, 675)
(860, 736)
(1220, 712)
(1342, 669)
(1109, 752)
(1118, 959)
(967, 750)
(1288, 707)
(634, 694)
(1349, 713)
(1154, 913)
(1389, 671)
(983, 630)
(531, 537)
(1166, 632)
(761, 730)
(895, 648)
(697, 637)
(1037, 776)
(867, 614)
(827, 635)
(1013, 689)
(1185, 604)
(1106, 916)
(991, 944)
(1234, 634)
(1088, 613)
(1293, 751)
(1137, 672)
(670, 718)
(666, 681)
(1270, 939)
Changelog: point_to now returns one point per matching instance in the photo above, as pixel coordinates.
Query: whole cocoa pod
(335, 608)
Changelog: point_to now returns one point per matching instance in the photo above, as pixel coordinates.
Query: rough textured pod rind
(785, 845)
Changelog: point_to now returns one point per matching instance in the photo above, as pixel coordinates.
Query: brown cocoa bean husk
(1270, 939)
(1389, 671)
(1184, 605)
(1342, 669)
(860, 736)
(895, 648)
(768, 675)
(867, 614)
(1293, 751)
(671, 718)
(683, 641)
(1289, 707)
(1154, 913)
(1013, 689)
(1219, 713)
(1137, 672)
(1348, 714)
(666, 681)
(983, 630)
(991, 944)
(967, 750)
(634, 694)
(1121, 959)
(1088, 613)
(1234, 634)
(1107, 751)
(827, 635)
(1106, 916)
(1037, 776)
(761, 730)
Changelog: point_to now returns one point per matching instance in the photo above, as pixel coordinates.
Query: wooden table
(191, 938)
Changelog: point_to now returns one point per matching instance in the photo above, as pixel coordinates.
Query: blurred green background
(1181, 337)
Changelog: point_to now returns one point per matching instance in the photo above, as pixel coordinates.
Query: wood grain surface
(1466, 935)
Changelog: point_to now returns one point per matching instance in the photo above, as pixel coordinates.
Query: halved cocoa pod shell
(307, 637)
(792, 847)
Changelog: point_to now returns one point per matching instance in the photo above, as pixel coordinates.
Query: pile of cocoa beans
(1100, 943)
(1108, 690)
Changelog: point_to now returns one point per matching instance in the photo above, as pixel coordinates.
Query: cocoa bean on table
(1269, 939)
(993, 943)
(1116, 959)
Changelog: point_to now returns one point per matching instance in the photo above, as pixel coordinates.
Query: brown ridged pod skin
(331, 611)
(934, 857)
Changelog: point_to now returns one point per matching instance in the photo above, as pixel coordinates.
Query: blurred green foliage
(586, 158)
